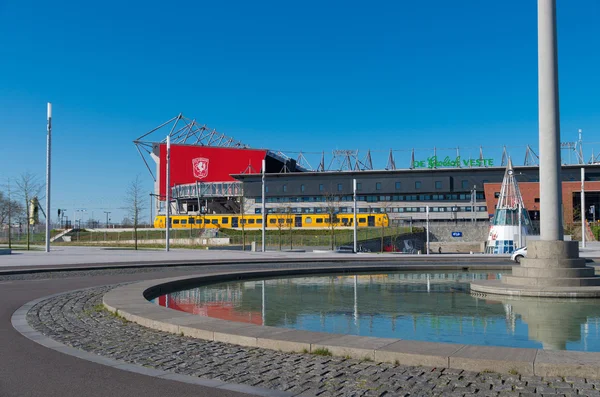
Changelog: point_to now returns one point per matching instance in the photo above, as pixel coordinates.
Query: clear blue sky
(292, 76)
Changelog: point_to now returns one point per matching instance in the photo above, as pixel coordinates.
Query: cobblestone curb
(131, 302)
(75, 323)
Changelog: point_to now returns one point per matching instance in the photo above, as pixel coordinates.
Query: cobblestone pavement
(78, 319)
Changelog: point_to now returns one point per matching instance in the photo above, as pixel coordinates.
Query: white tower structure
(511, 220)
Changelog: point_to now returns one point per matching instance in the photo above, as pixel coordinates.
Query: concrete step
(573, 272)
(551, 282)
(553, 263)
(553, 249)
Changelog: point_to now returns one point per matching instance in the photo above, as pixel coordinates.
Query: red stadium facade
(190, 164)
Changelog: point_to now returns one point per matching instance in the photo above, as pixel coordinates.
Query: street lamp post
(168, 196)
(107, 213)
(355, 225)
(263, 207)
(427, 215)
(582, 208)
(48, 179)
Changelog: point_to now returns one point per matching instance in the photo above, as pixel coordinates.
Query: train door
(234, 221)
(298, 221)
(371, 220)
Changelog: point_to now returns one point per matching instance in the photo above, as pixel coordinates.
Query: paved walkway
(49, 373)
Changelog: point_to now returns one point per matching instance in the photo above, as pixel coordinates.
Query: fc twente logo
(200, 167)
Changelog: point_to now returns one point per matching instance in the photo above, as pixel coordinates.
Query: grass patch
(513, 372)
(322, 352)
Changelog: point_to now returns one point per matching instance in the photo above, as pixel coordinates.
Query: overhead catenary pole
(551, 225)
(48, 174)
(263, 207)
(355, 209)
(582, 207)
(168, 195)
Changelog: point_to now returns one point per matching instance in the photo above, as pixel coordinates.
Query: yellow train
(274, 221)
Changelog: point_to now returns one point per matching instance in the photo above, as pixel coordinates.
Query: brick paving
(78, 319)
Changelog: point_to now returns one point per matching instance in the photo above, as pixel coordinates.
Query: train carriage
(274, 221)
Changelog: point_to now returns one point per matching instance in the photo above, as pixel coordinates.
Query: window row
(348, 210)
(374, 198)
(465, 185)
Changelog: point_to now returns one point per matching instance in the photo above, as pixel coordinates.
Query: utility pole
(473, 202)
(9, 215)
(355, 225)
(263, 207)
(427, 215)
(168, 196)
(520, 231)
(151, 217)
(48, 168)
(107, 213)
(582, 207)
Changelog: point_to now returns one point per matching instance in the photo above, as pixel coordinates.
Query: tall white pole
(551, 225)
(520, 231)
(168, 195)
(355, 223)
(263, 207)
(48, 179)
(582, 207)
(427, 215)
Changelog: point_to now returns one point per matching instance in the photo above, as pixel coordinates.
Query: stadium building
(211, 173)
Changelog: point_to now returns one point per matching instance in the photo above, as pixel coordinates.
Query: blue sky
(291, 76)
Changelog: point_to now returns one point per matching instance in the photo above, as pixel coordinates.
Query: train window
(198, 221)
(250, 220)
(243, 221)
(308, 220)
(288, 221)
(259, 221)
(176, 221)
(191, 221)
(184, 221)
(362, 220)
(224, 220)
(214, 221)
(345, 220)
(272, 220)
(319, 220)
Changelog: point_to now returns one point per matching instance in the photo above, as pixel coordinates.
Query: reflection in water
(555, 322)
(408, 305)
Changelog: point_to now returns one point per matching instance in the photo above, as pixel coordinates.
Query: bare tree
(332, 208)
(29, 188)
(10, 209)
(135, 205)
(281, 219)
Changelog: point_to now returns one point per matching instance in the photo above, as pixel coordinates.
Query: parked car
(519, 254)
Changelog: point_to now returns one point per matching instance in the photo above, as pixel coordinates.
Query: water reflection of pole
(263, 303)
(428, 284)
(355, 300)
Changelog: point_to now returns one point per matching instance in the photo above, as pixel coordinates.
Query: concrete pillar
(551, 227)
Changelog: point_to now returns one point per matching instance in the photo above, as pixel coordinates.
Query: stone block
(359, 347)
(292, 341)
(408, 352)
(497, 359)
(567, 363)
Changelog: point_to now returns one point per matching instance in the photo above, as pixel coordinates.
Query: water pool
(425, 306)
